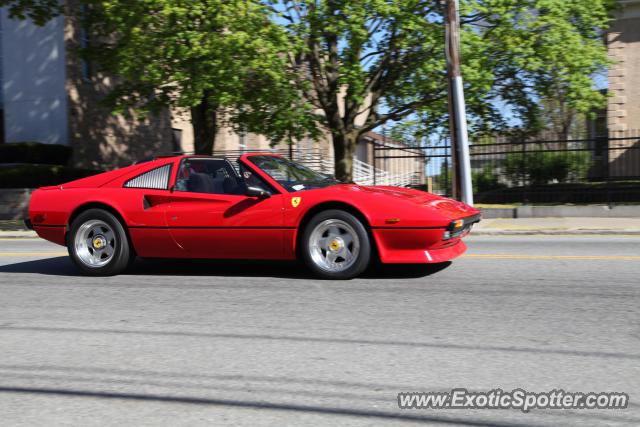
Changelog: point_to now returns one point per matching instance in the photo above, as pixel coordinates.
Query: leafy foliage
(371, 61)
(226, 55)
(290, 67)
(543, 167)
(363, 63)
(520, 51)
(39, 11)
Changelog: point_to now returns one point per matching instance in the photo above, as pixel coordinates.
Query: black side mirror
(257, 192)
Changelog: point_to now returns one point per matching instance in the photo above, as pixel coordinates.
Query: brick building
(623, 112)
(623, 41)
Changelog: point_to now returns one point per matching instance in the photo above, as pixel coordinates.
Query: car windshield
(292, 176)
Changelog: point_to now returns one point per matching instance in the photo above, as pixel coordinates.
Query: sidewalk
(502, 226)
(568, 225)
(14, 229)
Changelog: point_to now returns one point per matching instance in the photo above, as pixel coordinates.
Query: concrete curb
(16, 234)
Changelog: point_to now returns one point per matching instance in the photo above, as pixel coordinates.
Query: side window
(157, 179)
(213, 176)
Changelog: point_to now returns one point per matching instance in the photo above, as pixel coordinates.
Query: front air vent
(157, 178)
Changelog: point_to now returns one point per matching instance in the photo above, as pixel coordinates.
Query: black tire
(361, 260)
(121, 252)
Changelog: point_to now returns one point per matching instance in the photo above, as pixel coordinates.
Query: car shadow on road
(375, 415)
(57, 266)
(62, 266)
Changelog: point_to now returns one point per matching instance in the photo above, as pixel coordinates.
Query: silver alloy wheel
(334, 245)
(95, 243)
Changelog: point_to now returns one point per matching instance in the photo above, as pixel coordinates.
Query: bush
(35, 152)
(542, 167)
(34, 176)
(485, 180)
(593, 192)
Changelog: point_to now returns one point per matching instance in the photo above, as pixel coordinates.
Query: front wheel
(98, 244)
(336, 245)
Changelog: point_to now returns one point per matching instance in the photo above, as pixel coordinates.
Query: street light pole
(461, 176)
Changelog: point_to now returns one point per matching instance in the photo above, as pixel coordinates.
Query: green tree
(39, 11)
(370, 62)
(222, 59)
(350, 66)
(560, 120)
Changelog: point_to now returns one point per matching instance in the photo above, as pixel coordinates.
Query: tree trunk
(203, 120)
(344, 147)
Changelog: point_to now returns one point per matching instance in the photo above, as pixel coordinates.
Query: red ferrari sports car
(267, 208)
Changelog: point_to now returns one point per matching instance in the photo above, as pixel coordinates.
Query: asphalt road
(193, 343)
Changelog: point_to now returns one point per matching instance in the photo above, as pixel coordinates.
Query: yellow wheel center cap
(335, 245)
(98, 242)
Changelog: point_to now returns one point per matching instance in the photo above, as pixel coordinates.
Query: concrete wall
(563, 211)
(14, 203)
(33, 80)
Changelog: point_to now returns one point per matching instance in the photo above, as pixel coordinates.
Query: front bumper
(416, 246)
(423, 245)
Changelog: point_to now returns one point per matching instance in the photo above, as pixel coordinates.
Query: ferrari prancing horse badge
(295, 201)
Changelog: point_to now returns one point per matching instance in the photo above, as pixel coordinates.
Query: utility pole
(461, 176)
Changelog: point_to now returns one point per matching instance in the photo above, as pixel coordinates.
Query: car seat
(201, 183)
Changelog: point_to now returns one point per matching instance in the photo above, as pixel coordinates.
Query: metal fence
(598, 170)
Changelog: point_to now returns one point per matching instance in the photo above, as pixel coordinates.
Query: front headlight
(460, 227)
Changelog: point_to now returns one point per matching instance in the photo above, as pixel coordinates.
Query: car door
(210, 216)
(143, 199)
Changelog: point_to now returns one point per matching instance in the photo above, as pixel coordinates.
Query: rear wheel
(335, 245)
(98, 244)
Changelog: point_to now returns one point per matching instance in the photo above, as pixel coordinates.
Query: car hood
(444, 206)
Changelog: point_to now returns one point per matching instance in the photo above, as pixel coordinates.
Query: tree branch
(374, 120)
